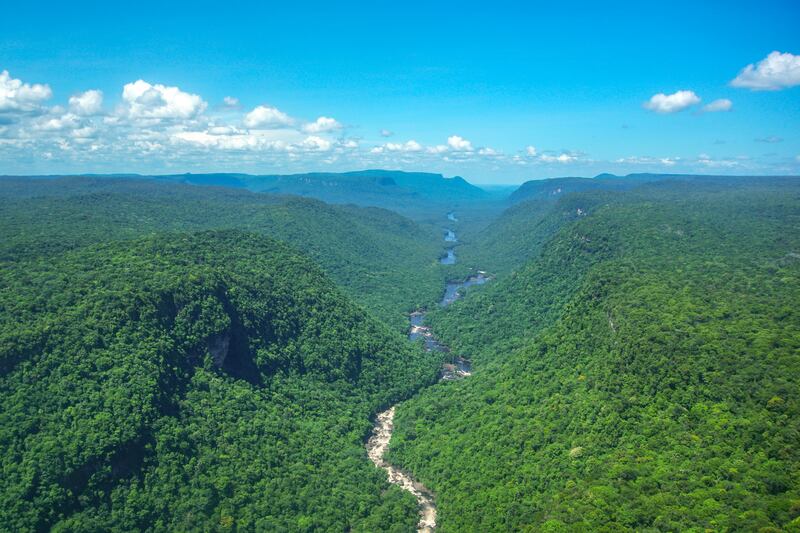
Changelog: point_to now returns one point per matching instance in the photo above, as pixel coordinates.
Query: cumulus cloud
(708, 161)
(322, 124)
(231, 102)
(386, 133)
(166, 126)
(18, 96)
(672, 103)
(459, 144)
(563, 157)
(267, 117)
(774, 72)
(146, 101)
(87, 103)
(646, 160)
(314, 142)
(233, 138)
(408, 146)
(721, 104)
(56, 123)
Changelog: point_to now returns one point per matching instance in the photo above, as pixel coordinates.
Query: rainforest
(400, 267)
(624, 356)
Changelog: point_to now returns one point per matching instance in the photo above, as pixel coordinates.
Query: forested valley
(183, 354)
(638, 371)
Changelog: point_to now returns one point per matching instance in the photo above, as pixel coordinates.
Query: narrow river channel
(456, 367)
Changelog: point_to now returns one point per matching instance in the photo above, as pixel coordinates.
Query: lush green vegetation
(385, 261)
(512, 239)
(166, 365)
(207, 381)
(641, 372)
(415, 194)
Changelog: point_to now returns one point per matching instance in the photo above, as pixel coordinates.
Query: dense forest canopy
(193, 381)
(384, 260)
(640, 372)
(183, 357)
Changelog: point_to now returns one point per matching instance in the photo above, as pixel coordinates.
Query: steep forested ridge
(510, 240)
(384, 260)
(207, 381)
(641, 373)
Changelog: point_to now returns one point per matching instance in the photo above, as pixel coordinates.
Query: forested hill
(553, 188)
(520, 232)
(640, 373)
(393, 189)
(207, 381)
(386, 261)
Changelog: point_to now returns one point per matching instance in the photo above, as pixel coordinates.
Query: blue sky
(498, 92)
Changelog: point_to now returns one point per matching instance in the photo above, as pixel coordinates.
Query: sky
(498, 92)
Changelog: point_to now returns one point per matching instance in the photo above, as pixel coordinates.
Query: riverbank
(457, 368)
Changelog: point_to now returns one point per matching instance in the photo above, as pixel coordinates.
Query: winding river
(456, 368)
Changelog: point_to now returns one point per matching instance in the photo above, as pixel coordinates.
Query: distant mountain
(392, 189)
(551, 188)
(380, 188)
(554, 187)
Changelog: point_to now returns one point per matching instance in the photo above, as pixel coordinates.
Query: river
(455, 368)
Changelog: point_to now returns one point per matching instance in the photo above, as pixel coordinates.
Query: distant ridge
(551, 188)
(392, 189)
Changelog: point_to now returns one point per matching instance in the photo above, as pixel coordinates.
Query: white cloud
(672, 103)
(646, 160)
(231, 102)
(408, 146)
(84, 132)
(267, 117)
(87, 103)
(722, 104)
(232, 138)
(774, 72)
(158, 128)
(56, 123)
(18, 96)
(386, 133)
(459, 144)
(313, 142)
(708, 161)
(321, 125)
(145, 101)
(560, 158)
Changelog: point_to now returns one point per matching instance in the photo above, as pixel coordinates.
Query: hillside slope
(385, 261)
(204, 381)
(640, 375)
